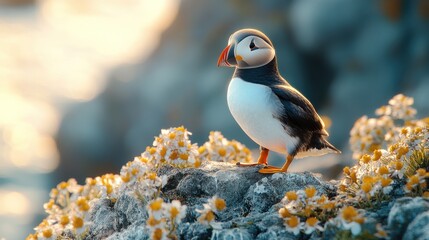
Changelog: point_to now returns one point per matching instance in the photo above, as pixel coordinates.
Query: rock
(103, 215)
(251, 199)
(232, 234)
(418, 228)
(404, 211)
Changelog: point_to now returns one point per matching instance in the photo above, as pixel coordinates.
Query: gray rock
(103, 218)
(251, 200)
(194, 231)
(418, 229)
(403, 212)
(232, 234)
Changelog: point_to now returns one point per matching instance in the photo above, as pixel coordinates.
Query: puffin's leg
(262, 160)
(289, 160)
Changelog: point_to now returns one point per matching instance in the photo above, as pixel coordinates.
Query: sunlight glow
(59, 54)
(13, 203)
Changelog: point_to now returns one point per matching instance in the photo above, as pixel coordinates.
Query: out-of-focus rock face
(251, 200)
(345, 56)
(403, 216)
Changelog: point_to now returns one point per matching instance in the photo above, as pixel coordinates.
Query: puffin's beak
(223, 58)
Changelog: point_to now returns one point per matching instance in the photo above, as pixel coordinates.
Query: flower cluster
(309, 206)
(209, 211)
(387, 153)
(417, 183)
(173, 147)
(399, 108)
(164, 218)
(140, 178)
(69, 205)
(369, 134)
(220, 149)
(349, 218)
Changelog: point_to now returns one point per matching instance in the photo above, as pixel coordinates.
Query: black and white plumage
(268, 109)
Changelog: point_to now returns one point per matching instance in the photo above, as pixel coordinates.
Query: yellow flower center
(126, 178)
(293, 221)
(291, 196)
(377, 155)
(184, 156)
(366, 187)
(346, 170)
(173, 155)
(134, 171)
(180, 129)
(152, 176)
(367, 179)
(62, 185)
(365, 158)
(163, 151)
(156, 205)
(109, 188)
(385, 182)
(174, 212)
(329, 206)
(398, 165)
(201, 149)
(222, 152)
(157, 234)
(151, 221)
(312, 221)
(77, 222)
(219, 204)
(310, 192)
(383, 170)
(152, 150)
(414, 180)
(349, 213)
(172, 135)
(47, 233)
(284, 213)
(421, 172)
(181, 144)
(64, 220)
(197, 164)
(209, 216)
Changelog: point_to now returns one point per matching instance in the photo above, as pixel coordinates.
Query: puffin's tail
(317, 146)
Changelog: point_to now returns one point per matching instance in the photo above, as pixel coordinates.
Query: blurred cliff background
(86, 84)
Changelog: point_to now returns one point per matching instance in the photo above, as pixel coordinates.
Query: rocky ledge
(253, 201)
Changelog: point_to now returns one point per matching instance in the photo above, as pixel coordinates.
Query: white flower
(293, 225)
(216, 204)
(154, 208)
(311, 224)
(175, 211)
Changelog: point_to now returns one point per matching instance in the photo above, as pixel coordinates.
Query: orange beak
(222, 61)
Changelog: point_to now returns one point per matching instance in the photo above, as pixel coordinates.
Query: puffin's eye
(252, 45)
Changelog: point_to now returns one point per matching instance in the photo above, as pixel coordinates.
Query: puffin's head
(247, 48)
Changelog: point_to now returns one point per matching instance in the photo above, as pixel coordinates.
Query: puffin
(268, 109)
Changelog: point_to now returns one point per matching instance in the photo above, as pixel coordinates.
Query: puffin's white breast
(252, 106)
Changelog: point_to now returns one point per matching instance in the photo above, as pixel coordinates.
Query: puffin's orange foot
(272, 170)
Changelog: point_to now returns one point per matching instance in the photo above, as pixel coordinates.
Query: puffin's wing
(297, 113)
